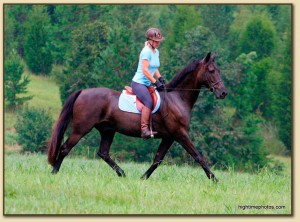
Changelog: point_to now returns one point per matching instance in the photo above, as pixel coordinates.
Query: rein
(211, 85)
(180, 89)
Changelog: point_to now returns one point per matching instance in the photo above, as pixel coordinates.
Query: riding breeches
(142, 93)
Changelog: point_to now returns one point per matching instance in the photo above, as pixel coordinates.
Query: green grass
(9, 120)
(45, 94)
(92, 187)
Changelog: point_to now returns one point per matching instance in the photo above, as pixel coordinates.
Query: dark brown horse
(98, 107)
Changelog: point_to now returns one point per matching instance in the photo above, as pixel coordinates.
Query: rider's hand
(159, 85)
(162, 80)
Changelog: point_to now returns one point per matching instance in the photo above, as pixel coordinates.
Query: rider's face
(155, 44)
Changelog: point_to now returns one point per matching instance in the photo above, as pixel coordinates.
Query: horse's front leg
(106, 141)
(187, 144)
(160, 154)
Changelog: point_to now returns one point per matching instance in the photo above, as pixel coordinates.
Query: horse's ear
(213, 56)
(207, 58)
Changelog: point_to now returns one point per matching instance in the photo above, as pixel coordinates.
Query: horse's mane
(179, 77)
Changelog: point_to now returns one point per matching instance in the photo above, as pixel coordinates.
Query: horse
(98, 108)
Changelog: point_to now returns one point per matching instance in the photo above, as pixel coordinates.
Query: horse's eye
(211, 69)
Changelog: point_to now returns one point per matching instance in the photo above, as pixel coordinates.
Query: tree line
(98, 46)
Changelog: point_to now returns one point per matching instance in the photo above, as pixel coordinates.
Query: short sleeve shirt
(154, 63)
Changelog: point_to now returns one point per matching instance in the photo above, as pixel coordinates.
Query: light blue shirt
(154, 63)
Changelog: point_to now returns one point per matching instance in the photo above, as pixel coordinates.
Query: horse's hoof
(144, 177)
(54, 171)
(213, 178)
(120, 173)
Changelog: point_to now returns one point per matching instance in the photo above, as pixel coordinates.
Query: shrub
(34, 127)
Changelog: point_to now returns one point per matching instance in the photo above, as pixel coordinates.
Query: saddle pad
(127, 103)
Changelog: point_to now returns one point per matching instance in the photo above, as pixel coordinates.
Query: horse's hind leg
(65, 149)
(106, 141)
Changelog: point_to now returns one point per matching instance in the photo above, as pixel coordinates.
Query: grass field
(90, 187)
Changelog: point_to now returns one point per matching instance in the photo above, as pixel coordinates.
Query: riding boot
(145, 122)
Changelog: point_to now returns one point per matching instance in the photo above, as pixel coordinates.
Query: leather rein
(211, 85)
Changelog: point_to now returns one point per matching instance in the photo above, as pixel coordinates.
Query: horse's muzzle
(221, 94)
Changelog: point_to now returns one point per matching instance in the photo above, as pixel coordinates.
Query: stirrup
(145, 134)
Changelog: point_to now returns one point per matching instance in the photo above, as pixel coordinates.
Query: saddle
(139, 104)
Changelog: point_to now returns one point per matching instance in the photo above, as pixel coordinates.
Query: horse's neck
(190, 90)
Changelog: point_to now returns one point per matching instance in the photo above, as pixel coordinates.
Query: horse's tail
(61, 126)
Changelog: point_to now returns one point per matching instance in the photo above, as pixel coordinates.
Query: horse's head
(210, 76)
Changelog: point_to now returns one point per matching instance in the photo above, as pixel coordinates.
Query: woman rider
(144, 77)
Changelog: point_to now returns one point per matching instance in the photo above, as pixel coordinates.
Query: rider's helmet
(154, 34)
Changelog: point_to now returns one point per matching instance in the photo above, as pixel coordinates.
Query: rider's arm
(145, 65)
(157, 74)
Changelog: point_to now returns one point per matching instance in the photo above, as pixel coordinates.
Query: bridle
(211, 85)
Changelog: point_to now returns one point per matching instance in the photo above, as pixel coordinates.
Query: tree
(65, 19)
(195, 44)
(15, 19)
(9, 29)
(120, 59)
(262, 90)
(185, 18)
(283, 100)
(86, 47)
(37, 49)
(14, 69)
(259, 36)
(244, 89)
(218, 19)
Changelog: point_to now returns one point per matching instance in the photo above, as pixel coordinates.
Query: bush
(34, 127)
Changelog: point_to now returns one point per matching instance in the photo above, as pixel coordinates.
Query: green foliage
(282, 100)
(250, 154)
(14, 84)
(259, 36)
(34, 127)
(226, 141)
(88, 43)
(9, 45)
(15, 19)
(37, 49)
(262, 89)
(196, 44)
(185, 18)
(244, 85)
(218, 19)
(65, 19)
(116, 71)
